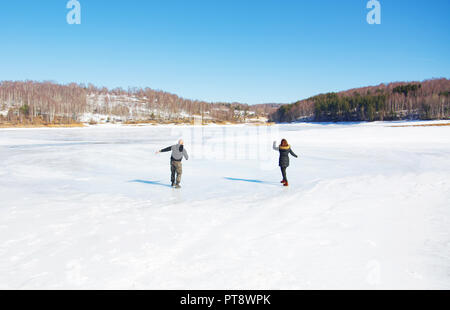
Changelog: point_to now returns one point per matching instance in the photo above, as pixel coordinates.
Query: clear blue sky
(251, 51)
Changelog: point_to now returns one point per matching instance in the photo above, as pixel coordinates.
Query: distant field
(40, 125)
(423, 125)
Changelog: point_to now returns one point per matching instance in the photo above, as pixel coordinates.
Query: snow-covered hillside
(111, 108)
(106, 108)
(368, 207)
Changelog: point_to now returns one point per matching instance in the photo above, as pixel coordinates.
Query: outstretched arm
(293, 154)
(275, 147)
(167, 149)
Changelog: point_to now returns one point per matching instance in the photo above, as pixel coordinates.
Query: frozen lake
(368, 207)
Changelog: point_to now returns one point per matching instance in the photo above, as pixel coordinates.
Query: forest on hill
(427, 100)
(31, 102)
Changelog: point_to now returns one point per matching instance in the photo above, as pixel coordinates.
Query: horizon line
(86, 84)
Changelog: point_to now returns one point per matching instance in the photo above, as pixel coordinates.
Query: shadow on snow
(251, 181)
(158, 183)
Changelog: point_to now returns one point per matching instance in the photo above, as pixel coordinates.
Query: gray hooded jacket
(178, 151)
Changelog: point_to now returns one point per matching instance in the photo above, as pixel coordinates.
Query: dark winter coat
(284, 155)
(178, 151)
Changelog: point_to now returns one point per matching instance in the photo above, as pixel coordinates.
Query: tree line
(49, 102)
(427, 100)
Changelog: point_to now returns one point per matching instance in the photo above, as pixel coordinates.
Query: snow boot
(177, 186)
(286, 184)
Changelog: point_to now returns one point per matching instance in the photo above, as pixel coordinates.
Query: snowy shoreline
(143, 125)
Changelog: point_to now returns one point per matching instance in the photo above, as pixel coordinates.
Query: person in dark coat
(285, 149)
(176, 167)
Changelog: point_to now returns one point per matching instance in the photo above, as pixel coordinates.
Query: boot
(177, 186)
(286, 183)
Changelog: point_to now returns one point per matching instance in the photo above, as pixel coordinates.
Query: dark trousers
(176, 168)
(283, 172)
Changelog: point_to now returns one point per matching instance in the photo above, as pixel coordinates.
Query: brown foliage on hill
(22, 102)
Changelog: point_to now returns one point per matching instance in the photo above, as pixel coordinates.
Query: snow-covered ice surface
(90, 208)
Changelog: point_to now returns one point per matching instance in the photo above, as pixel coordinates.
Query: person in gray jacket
(176, 167)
